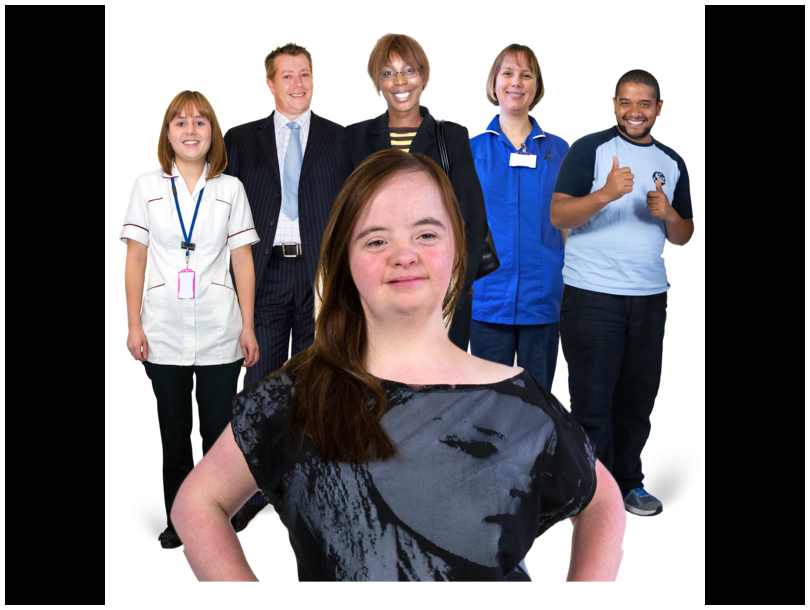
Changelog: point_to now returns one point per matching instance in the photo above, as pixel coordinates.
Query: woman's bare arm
(134, 276)
(596, 547)
(211, 494)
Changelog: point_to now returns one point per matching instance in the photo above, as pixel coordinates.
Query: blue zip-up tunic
(527, 288)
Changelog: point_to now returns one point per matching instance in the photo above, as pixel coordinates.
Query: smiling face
(401, 251)
(515, 85)
(635, 108)
(292, 85)
(402, 94)
(189, 134)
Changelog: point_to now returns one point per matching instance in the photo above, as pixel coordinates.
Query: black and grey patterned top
(480, 472)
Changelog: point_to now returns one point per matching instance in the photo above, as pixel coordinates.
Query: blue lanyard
(187, 237)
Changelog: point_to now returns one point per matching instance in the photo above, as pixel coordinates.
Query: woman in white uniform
(189, 322)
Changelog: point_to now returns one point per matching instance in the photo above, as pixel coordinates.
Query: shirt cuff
(136, 232)
(242, 238)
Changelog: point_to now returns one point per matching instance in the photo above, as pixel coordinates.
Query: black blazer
(363, 139)
(253, 158)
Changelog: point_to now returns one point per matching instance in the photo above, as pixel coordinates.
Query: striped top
(401, 137)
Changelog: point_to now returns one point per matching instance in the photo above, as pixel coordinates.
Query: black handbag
(489, 260)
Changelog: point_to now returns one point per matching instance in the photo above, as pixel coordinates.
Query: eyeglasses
(407, 73)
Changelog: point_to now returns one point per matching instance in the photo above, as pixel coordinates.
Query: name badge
(185, 284)
(519, 160)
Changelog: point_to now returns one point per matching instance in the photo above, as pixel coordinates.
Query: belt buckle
(296, 251)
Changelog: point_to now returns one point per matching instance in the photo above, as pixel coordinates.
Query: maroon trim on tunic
(139, 226)
(250, 229)
(223, 201)
(151, 200)
(158, 286)
(223, 285)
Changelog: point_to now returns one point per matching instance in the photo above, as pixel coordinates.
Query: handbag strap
(443, 147)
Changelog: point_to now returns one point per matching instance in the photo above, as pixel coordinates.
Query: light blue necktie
(292, 173)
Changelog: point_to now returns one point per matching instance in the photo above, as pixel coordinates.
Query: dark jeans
(613, 345)
(536, 346)
(216, 387)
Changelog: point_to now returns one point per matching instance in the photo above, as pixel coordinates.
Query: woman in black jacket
(400, 71)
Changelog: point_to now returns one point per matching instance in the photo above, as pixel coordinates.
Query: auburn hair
(402, 46)
(514, 50)
(337, 402)
(186, 101)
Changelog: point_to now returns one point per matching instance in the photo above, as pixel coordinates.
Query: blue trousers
(614, 345)
(536, 346)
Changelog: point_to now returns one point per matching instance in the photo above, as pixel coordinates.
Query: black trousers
(216, 387)
(613, 345)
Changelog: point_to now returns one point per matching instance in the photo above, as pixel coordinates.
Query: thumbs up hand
(619, 182)
(658, 203)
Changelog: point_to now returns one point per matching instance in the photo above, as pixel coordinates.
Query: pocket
(228, 313)
(153, 310)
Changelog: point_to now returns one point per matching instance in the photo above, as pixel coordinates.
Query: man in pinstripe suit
(292, 147)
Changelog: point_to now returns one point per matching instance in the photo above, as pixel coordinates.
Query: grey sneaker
(639, 502)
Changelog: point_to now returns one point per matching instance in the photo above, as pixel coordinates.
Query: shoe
(639, 502)
(169, 539)
(243, 517)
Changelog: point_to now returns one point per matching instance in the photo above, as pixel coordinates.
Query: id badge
(185, 284)
(518, 160)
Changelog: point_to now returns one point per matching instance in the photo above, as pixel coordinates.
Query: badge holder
(523, 158)
(185, 282)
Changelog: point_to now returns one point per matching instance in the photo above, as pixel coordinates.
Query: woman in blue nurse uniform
(189, 323)
(516, 308)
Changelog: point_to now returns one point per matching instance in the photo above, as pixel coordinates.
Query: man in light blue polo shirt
(622, 194)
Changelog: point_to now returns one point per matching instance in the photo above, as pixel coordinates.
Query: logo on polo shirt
(657, 175)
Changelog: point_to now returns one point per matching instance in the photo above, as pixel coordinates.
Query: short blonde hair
(513, 50)
(402, 46)
(186, 101)
(291, 49)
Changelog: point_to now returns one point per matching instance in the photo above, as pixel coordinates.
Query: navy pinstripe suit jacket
(252, 157)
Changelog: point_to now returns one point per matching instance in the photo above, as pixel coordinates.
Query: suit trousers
(284, 304)
(172, 384)
(614, 346)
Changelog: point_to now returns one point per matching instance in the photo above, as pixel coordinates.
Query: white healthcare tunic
(204, 330)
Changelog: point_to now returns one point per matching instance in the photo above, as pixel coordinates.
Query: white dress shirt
(204, 330)
(287, 229)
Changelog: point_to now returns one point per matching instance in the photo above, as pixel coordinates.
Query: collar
(279, 120)
(176, 173)
(494, 127)
(380, 124)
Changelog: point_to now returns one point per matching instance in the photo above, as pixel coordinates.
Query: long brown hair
(185, 101)
(338, 403)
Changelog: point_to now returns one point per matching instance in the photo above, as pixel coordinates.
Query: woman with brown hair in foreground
(388, 453)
